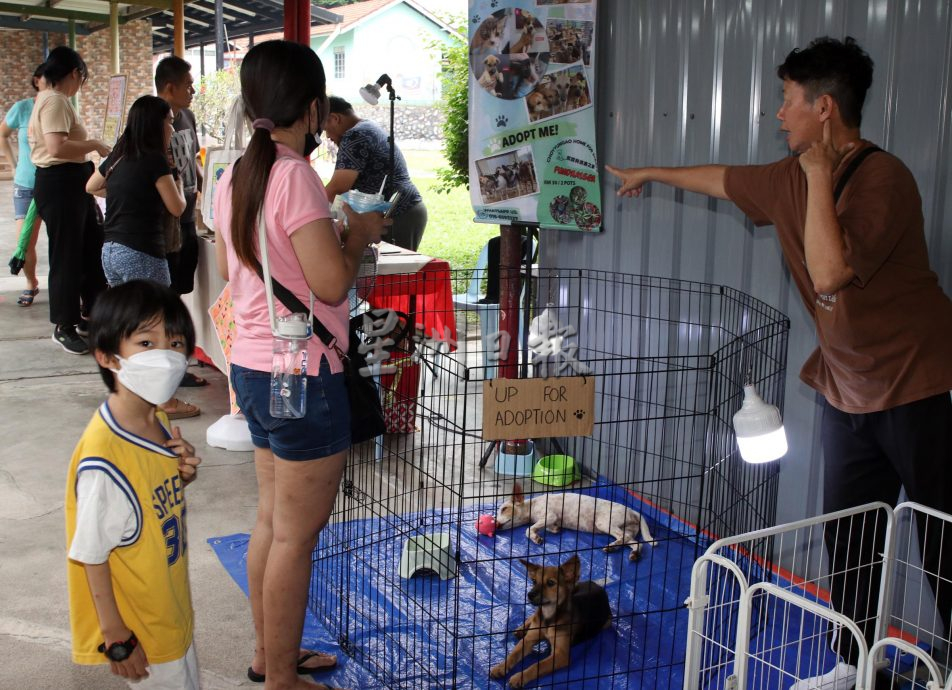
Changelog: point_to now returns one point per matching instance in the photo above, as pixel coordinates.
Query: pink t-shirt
(295, 197)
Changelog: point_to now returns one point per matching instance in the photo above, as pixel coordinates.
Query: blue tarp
(410, 623)
(398, 619)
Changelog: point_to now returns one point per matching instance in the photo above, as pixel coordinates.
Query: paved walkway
(47, 398)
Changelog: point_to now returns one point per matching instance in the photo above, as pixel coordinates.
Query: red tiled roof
(351, 13)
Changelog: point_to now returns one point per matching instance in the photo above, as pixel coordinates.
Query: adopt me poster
(531, 113)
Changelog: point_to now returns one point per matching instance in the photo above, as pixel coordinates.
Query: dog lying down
(568, 612)
(553, 511)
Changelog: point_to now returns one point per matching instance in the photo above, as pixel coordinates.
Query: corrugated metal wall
(684, 82)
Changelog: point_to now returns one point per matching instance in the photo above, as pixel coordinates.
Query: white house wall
(687, 82)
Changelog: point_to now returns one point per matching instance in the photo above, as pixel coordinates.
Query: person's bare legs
(259, 547)
(304, 494)
(29, 261)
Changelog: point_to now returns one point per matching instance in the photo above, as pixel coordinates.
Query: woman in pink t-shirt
(299, 462)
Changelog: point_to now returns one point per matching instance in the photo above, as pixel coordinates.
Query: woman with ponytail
(298, 462)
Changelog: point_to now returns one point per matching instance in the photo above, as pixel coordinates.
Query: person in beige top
(849, 219)
(59, 145)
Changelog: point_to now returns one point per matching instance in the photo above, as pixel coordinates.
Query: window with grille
(338, 63)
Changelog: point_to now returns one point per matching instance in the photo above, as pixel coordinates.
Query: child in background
(129, 599)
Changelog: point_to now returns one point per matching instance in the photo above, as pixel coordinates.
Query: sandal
(180, 409)
(26, 297)
(302, 670)
(190, 380)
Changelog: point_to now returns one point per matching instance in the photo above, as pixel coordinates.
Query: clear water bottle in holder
(289, 367)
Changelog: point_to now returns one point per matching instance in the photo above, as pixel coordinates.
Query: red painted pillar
(297, 21)
(510, 255)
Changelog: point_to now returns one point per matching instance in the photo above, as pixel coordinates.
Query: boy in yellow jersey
(129, 598)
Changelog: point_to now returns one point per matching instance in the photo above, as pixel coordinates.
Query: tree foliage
(455, 109)
(213, 98)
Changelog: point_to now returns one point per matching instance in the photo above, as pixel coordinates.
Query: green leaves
(214, 95)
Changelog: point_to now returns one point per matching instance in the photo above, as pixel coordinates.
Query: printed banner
(531, 113)
(115, 110)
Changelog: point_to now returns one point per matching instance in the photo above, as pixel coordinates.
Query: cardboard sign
(115, 110)
(538, 408)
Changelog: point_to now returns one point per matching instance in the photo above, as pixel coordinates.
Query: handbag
(172, 227)
(366, 412)
(218, 158)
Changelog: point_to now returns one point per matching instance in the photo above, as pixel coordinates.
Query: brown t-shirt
(885, 339)
(53, 112)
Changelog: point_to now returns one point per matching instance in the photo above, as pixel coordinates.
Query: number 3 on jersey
(175, 537)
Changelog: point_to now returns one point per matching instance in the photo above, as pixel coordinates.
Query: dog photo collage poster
(531, 114)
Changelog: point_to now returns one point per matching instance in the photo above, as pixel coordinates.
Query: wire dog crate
(761, 612)
(416, 595)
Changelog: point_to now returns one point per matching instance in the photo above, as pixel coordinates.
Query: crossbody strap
(850, 169)
(295, 305)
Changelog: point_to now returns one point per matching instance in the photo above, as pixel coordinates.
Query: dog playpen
(761, 615)
(669, 359)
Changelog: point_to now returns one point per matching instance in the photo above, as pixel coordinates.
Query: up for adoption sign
(531, 113)
(538, 408)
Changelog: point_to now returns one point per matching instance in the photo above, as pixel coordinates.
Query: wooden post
(297, 21)
(510, 256)
(178, 9)
(114, 37)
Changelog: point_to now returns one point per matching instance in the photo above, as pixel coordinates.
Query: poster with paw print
(531, 113)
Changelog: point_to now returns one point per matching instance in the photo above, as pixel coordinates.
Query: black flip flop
(190, 380)
(302, 670)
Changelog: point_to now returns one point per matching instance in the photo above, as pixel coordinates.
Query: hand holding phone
(393, 205)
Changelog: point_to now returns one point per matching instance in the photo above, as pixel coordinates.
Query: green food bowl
(556, 470)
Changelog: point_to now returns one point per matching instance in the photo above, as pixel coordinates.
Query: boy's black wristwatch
(120, 651)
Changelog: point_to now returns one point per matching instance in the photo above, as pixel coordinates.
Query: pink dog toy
(486, 525)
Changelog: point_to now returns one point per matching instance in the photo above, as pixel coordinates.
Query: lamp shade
(370, 93)
(759, 429)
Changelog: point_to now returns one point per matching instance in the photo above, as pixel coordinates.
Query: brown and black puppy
(569, 612)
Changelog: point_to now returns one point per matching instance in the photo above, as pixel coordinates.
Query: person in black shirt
(138, 182)
(363, 160)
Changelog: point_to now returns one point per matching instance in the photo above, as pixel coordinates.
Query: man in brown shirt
(858, 257)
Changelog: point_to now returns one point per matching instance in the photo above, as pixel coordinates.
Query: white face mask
(153, 375)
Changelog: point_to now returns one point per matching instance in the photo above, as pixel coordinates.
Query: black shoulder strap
(290, 300)
(850, 169)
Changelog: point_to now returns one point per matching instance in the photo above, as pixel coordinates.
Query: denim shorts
(22, 196)
(122, 264)
(325, 428)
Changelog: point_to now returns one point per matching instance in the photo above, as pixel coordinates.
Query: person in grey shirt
(363, 160)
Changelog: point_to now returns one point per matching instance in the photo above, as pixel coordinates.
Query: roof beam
(52, 12)
(325, 15)
(39, 25)
(208, 10)
(239, 9)
(155, 4)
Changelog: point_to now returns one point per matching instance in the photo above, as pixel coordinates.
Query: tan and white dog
(491, 78)
(553, 511)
